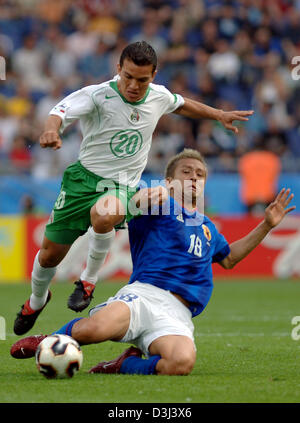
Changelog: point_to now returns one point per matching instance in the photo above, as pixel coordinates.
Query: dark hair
(140, 53)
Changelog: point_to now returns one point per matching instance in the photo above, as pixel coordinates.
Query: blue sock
(140, 366)
(67, 328)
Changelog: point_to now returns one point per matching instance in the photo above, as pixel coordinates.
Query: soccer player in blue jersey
(173, 246)
(117, 120)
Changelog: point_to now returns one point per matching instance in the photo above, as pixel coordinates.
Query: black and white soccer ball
(58, 356)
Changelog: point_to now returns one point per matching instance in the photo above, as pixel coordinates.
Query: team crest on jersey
(206, 232)
(135, 117)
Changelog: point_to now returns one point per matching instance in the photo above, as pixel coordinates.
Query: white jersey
(117, 134)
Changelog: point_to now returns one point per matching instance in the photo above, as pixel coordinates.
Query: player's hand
(158, 195)
(227, 118)
(50, 139)
(276, 211)
(147, 197)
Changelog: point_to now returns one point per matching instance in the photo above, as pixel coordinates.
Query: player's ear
(154, 74)
(119, 67)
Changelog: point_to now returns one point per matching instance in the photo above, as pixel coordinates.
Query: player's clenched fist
(158, 195)
(50, 139)
(147, 197)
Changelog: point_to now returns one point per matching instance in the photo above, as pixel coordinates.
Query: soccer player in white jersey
(172, 252)
(117, 120)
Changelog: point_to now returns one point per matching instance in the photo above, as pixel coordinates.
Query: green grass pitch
(245, 352)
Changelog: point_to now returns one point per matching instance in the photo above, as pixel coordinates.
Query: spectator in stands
(272, 90)
(82, 42)
(20, 155)
(62, 60)
(9, 126)
(264, 43)
(259, 171)
(224, 64)
(293, 134)
(20, 104)
(228, 22)
(178, 54)
(29, 206)
(29, 63)
(48, 101)
(238, 52)
(52, 11)
(209, 35)
(95, 67)
(150, 33)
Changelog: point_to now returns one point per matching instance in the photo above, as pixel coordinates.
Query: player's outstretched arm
(196, 110)
(50, 137)
(274, 214)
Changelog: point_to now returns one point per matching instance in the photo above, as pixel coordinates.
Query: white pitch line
(251, 335)
(257, 320)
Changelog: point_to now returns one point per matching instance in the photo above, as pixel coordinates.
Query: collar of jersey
(114, 86)
(189, 213)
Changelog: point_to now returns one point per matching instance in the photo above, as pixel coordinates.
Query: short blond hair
(187, 153)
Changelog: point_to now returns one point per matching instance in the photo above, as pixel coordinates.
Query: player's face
(189, 178)
(134, 80)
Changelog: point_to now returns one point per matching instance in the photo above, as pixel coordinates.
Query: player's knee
(105, 222)
(182, 363)
(48, 258)
(87, 331)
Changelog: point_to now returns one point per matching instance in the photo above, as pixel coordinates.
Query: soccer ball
(58, 356)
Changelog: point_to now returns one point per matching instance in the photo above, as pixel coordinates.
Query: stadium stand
(228, 54)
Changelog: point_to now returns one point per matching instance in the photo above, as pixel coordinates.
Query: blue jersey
(174, 250)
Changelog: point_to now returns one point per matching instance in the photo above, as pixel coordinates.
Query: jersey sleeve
(221, 246)
(171, 102)
(73, 107)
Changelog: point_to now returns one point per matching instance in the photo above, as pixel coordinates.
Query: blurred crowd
(227, 54)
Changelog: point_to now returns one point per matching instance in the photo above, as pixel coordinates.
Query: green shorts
(80, 190)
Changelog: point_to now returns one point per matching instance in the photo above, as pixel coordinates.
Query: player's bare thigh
(178, 354)
(111, 322)
(107, 213)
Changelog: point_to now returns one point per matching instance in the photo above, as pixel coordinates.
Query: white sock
(40, 281)
(99, 245)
